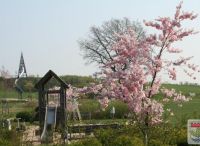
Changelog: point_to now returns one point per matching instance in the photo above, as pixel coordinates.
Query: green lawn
(15, 107)
(190, 108)
(14, 94)
(185, 89)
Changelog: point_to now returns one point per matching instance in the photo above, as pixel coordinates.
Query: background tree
(4, 74)
(29, 86)
(97, 48)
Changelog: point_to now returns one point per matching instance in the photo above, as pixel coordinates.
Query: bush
(9, 138)
(167, 134)
(125, 140)
(182, 137)
(117, 137)
(26, 116)
(87, 142)
(156, 143)
(105, 136)
(160, 135)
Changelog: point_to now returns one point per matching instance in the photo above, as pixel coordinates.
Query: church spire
(22, 67)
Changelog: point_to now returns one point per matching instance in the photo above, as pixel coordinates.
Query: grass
(15, 107)
(14, 94)
(91, 105)
(185, 89)
(189, 109)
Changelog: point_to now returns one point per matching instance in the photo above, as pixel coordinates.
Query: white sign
(193, 131)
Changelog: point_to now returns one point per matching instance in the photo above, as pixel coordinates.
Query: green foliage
(161, 135)
(78, 81)
(9, 138)
(182, 137)
(93, 106)
(30, 114)
(122, 140)
(88, 105)
(87, 142)
(156, 143)
(106, 137)
(27, 84)
(125, 140)
(118, 137)
(167, 134)
(121, 109)
(27, 116)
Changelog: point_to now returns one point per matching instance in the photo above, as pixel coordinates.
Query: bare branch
(97, 48)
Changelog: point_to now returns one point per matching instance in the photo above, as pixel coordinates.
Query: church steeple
(22, 68)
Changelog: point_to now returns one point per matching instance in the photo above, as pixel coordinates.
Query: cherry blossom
(136, 77)
(134, 74)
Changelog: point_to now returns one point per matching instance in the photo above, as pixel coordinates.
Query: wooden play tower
(47, 105)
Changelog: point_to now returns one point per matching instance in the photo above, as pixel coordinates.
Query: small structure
(22, 67)
(112, 112)
(21, 73)
(73, 108)
(52, 113)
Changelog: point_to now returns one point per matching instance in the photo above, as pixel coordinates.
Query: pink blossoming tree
(139, 66)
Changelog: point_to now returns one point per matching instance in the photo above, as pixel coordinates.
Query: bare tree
(97, 47)
(4, 73)
(4, 76)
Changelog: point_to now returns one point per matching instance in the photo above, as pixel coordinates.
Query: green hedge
(25, 116)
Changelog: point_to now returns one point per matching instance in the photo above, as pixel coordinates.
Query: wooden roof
(47, 77)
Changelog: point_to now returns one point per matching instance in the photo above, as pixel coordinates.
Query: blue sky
(46, 31)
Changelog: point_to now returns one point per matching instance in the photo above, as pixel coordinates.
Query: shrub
(4, 142)
(168, 134)
(125, 140)
(26, 116)
(105, 136)
(137, 141)
(156, 143)
(161, 135)
(87, 142)
(9, 138)
(182, 137)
